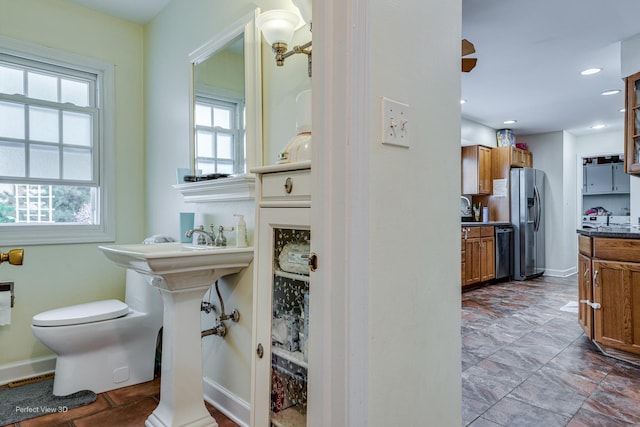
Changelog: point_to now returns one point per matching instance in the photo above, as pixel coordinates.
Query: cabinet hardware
(313, 261)
(260, 351)
(288, 185)
(595, 278)
(585, 273)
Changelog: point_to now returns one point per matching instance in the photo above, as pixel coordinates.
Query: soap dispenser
(241, 232)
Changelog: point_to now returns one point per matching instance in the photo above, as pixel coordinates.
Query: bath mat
(36, 399)
(571, 307)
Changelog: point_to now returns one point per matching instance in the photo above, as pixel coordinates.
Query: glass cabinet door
(632, 128)
(283, 350)
(289, 327)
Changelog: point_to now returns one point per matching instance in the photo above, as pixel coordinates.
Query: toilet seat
(82, 313)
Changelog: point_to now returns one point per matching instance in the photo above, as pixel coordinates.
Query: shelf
(292, 276)
(232, 188)
(295, 357)
(288, 418)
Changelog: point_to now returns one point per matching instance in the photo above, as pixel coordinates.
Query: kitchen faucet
(467, 210)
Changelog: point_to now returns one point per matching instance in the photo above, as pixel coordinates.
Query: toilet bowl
(104, 345)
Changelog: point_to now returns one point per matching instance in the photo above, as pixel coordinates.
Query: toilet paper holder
(7, 286)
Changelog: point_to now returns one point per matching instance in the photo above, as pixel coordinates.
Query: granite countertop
(615, 231)
(488, 223)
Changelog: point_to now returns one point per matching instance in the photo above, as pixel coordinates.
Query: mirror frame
(252, 85)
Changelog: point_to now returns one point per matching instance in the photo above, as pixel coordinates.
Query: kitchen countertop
(478, 223)
(614, 231)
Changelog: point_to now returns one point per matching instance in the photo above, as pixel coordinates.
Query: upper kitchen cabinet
(632, 126)
(514, 156)
(476, 170)
(605, 178)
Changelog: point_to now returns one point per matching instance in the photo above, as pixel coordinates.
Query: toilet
(104, 345)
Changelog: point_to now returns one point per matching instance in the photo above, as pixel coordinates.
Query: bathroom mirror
(225, 101)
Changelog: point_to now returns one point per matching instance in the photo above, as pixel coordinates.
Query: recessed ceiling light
(622, 110)
(463, 101)
(509, 122)
(610, 92)
(590, 71)
(598, 126)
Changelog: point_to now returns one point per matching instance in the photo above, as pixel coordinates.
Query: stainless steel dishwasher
(504, 251)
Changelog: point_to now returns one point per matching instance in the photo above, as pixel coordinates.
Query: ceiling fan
(468, 64)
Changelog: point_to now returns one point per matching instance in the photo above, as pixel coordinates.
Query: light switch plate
(395, 123)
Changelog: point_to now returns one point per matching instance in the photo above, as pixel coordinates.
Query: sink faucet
(204, 237)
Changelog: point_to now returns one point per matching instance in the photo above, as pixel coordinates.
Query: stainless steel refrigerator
(527, 217)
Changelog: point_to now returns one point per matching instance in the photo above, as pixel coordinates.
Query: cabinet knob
(288, 185)
(260, 351)
(313, 261)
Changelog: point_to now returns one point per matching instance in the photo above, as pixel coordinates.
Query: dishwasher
(504, 251)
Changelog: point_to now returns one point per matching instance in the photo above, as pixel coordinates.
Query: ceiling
(530, 54)
(138, 11)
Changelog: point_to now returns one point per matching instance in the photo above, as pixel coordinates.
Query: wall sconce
(278, 26)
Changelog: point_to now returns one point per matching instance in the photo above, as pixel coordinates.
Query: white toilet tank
(141, 296)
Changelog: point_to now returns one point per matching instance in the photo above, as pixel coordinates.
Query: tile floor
(124, 407)
(527, 363)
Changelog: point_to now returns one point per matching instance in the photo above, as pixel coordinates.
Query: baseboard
(27, 369)
(560, 273)
(226, 402)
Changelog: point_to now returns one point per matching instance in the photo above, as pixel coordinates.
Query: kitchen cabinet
(632, 125)
(283, 357)
(606, 178)
(478, 247)
(609, 294)
(476, 170)
(517, 157)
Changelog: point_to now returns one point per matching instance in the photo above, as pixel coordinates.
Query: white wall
(386, 215)
(473, 133)
(58, 275)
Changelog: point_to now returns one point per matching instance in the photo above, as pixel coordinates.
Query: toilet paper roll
(5, 308)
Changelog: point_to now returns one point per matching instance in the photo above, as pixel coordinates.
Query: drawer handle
(288, 185)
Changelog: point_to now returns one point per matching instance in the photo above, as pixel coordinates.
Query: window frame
(64, 233)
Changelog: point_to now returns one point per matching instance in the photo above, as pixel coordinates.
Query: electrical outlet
(395, 123)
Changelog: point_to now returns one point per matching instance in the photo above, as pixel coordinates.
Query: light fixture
(623, 110)
(278, 27)
(509, 122)
(463, 101)
(599, 126)
(609, 92)
(590, 71)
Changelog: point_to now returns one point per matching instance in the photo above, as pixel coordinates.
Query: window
(220, 139)
(55, 122)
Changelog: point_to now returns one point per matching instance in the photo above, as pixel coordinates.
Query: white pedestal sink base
(181, 390)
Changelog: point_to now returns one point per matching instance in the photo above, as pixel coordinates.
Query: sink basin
(171, 262)
(183, 274)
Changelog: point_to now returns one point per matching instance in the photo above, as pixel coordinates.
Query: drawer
(287, 185)
(584, 245)
(472, 232)
(616, 249)
(486, 231)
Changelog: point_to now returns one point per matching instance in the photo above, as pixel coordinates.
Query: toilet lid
(82, 313)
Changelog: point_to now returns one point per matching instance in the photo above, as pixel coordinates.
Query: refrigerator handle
(536, 194)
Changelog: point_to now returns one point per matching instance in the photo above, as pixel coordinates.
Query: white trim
(61, 233)
(233, 188)
(235, 408)
(561, 273)
(27, 369)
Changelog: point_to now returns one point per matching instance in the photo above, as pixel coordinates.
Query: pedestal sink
(183, 273)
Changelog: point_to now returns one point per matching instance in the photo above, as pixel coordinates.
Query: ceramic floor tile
(511, 412)
(585, 418)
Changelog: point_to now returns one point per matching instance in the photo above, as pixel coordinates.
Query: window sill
(234, 188)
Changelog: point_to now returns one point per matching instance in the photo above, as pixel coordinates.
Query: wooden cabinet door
(484, 170)
(472, 261)
(487, 258)
(616, 288)
(585, 295)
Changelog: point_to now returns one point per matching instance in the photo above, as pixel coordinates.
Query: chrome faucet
(204, 237)
(221, 240)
